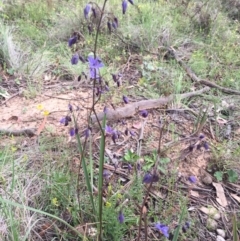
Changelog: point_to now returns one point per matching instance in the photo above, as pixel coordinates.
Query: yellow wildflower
(40, 107)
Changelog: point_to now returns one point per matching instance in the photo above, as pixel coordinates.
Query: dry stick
(130, 109)
(11, 97)
(28, 132)
(201, 81)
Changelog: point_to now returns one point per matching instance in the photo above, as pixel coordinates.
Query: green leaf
(218, 175)
(164, 160)
(232, 175)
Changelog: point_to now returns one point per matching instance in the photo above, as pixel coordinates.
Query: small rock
(211, 224)
(220, 238)
(207, 179)
(221, 233)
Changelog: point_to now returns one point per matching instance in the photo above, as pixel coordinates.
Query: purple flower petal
(121, 217)
(95, 62)
(109, 26)
(105, 110)
(87, 132)
(72, 41)
(124, 6)
(192, 179)
(201, 136)
(147, 178)
(144, 113)
(106, 173)
(132, 133)
(205, 145)
(75, 59)
(115, 20)
(114, 25)
(164, 229)
(86, 10)
(108, 130)
(125, 99)
(114, 136)
(72, 131)
(63, 120)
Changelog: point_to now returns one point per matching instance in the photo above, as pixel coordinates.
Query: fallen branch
(194, 78)
(130, 109)
(27, 132)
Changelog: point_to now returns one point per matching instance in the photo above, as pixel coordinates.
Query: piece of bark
(130, 109)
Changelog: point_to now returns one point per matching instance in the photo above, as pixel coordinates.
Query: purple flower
(121, 217)
(109, 26)
(76, 131)
(108, 130)
(201, 136)
(131, 1)
(87, 132)
(106, 174)
(114, 136)
(185, 227)
(64, 121)
(192, 179)
(95, 63)
(105, 109)
(205, 145)
(87, 10)
(163, 229)
(138, 166)
(72, 41)
(114, 25)
(75, 59)
(68, 118)
(124, 6)
(144, 113)
(132, 133)
(115, 20)
(125, 99)
(90, 29)
(147, 178)
(72, 131)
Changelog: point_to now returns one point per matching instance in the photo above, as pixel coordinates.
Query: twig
(29, 132)
(130, 109)
(11, 97)
(194, 77)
